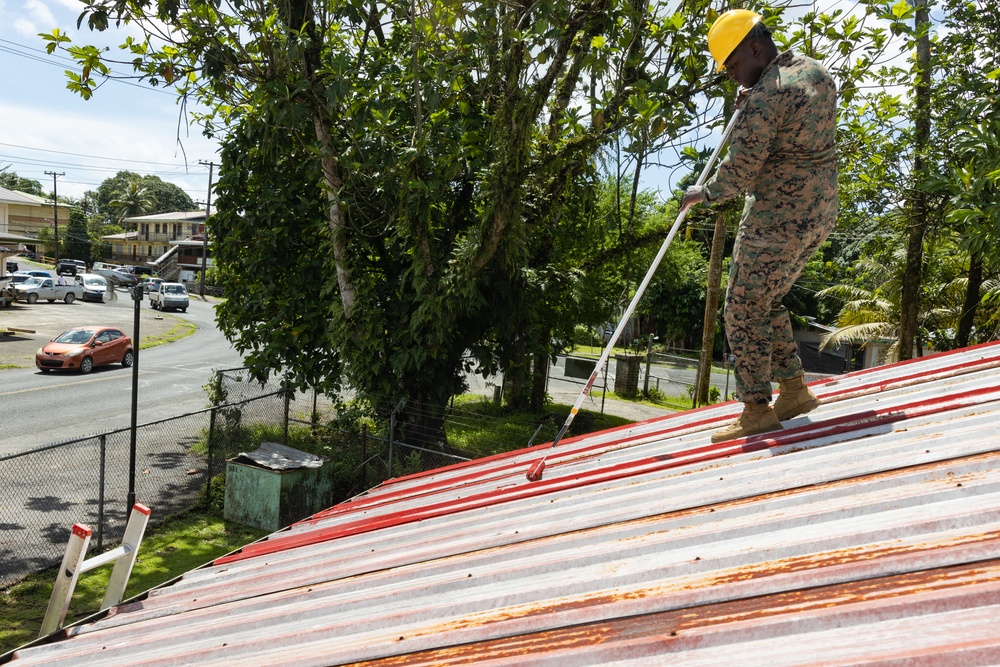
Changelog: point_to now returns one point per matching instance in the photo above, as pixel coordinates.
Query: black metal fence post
(211, 457)
(364, 455)
(288, 406)
(100, 493)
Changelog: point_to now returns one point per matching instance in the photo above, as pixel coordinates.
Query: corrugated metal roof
(17, 197)
(867, 532)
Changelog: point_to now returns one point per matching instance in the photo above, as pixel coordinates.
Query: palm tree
(870, 308)
(132, 200)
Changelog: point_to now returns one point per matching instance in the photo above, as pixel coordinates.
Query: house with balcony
(171, 243)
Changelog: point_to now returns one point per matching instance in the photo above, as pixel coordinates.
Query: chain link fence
(180, 461)
(86, 480)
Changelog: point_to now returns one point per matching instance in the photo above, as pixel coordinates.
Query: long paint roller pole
(535, 472)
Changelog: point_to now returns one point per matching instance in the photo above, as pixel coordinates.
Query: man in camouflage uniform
(782, 155)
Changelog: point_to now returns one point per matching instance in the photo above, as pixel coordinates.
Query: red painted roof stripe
(480, 471)
(515, 467)
(545, 486)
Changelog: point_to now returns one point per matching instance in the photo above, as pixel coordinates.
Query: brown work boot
(756, 418)
(794, 399)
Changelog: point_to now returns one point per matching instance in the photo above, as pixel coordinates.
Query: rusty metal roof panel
(865, 532)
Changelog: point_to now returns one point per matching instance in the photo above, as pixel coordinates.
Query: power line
(29, 53)
(93, 157)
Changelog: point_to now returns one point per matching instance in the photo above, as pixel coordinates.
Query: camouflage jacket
(782, 152)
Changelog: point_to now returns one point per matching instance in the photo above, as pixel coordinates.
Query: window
(157, 229)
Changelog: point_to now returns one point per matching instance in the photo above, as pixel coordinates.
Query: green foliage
(480, 427)
(400, 190)
(584, 335)
(272, 254)
(11, 181)
(129, 194)
(77, 240)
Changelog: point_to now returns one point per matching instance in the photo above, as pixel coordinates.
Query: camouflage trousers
(773, 245)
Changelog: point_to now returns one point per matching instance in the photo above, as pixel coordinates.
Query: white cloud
(39, 13)
(25, 28)
(90, 148)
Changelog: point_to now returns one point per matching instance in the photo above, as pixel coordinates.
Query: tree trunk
(421, 424)
(968, 318)
(516, 385)
(539, 377)
(713, 291)
(909, 306)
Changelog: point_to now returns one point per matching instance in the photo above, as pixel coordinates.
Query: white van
(94, 286)
(167, 296)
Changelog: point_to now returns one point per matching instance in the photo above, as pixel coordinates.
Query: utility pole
(55, 211)
(204, 234)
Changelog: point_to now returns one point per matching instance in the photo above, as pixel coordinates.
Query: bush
(583, 335)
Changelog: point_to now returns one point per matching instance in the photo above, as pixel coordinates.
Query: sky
(46, 128)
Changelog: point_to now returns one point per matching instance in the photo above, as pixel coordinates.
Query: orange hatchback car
(82, 348)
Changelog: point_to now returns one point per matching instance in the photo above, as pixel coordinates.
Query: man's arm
(748, 150)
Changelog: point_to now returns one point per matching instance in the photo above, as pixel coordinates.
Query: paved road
(38, 409)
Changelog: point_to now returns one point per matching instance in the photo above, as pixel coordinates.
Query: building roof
(867, 532)
(175, 216)
(18, 197)
(16, 238)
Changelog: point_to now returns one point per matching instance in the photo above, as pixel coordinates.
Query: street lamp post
(136, 300)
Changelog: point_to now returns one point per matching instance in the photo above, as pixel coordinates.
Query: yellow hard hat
(728, 31)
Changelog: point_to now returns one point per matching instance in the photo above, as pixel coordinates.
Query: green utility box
(275, 486)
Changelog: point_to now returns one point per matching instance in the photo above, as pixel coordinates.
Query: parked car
(169, 296)
(28, 254)
(71, 267)
(21, 276)
(83, 348)
(103, 265)
(12, 266)
(33, 289)
(94, 286)
(149, 284)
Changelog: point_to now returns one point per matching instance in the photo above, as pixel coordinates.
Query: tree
(969, 62)
(870, 304)
(168, 197)
(131, 200)
(160, 196)
(444, 140)
(12, 181)
(77, 239)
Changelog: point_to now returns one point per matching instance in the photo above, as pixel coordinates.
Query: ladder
(73, 565)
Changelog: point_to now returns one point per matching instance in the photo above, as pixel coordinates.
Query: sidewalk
(612, 406)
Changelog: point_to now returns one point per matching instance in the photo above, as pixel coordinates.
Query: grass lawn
(479, 427)
(168, 551)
